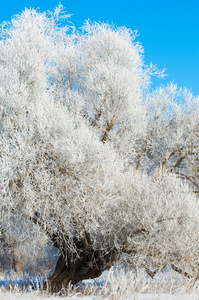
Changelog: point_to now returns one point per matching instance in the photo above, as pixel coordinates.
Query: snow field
(117, 284)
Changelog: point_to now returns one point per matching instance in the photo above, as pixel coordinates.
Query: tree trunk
(73, 272)
(78, 260)
(83, 263)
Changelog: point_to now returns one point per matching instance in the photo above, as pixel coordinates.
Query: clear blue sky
(169, 29)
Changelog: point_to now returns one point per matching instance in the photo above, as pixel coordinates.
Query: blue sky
(168, 30)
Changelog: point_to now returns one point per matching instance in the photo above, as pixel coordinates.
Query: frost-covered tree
(171, 139)
(86, 150)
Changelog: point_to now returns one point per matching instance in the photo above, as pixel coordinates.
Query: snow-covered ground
(114, 284)
(33, 296)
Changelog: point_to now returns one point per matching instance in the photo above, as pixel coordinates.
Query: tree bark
(108, 129)
(73, 272)
(73, 267)
(77, 262)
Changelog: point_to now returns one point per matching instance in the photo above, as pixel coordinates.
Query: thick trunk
(71, 272)
(83, 263)
(75, 267)
(78, 260)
